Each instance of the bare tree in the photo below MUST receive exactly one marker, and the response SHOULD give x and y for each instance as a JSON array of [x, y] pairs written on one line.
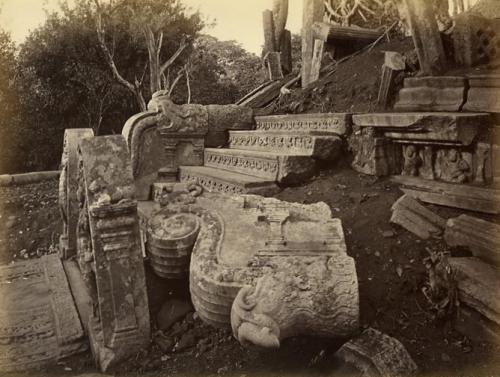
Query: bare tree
[[159, 72]]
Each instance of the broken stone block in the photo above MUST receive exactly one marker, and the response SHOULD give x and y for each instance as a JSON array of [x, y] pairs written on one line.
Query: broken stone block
[[222, 119], [40, 323], [444, 93], [472, 198], [394, 63], [481, 237], [414, 217], [483, 94], [252, 252], [478, 284], [375, 354]]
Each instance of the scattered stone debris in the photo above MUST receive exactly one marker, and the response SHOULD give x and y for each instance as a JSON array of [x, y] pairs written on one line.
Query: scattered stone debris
[[478, 284], [414, 217], [375, 354], [481, 237]]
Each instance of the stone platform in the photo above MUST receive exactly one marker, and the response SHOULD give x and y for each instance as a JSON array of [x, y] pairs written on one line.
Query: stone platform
[[282, 150], [40, 323]]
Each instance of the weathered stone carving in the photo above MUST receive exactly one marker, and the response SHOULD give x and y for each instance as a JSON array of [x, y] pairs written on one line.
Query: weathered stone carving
[[38, 321], [68, 185], [169, 135], [109, 251], [451, 147], [376, 354], [335, 123]]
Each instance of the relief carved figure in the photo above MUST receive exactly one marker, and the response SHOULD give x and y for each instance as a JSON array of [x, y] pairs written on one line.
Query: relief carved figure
[[412, 160]]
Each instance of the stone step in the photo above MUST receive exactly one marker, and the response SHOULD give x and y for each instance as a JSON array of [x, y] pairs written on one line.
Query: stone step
[[265, 165], [432, 94], [336, 123], [217, 180], [298, 143]]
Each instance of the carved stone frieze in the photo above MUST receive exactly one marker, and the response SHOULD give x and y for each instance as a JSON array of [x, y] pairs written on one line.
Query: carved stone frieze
[[336, 123], [321, 147]]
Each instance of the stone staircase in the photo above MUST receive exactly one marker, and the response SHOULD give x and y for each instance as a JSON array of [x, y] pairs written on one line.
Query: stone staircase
[[281, 150]]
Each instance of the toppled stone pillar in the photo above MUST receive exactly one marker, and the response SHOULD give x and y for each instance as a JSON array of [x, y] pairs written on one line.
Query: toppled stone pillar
[[312, 12], [426, 37], [481, 237], [414, 217], [394, 63]]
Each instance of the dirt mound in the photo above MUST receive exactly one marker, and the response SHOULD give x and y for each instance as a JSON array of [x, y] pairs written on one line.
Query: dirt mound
[[351, 86]]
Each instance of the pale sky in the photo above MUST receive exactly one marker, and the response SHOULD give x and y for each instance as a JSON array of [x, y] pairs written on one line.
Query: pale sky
[[240, 20]]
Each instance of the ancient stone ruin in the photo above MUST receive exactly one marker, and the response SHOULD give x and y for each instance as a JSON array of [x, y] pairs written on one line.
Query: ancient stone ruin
[[185, 194]]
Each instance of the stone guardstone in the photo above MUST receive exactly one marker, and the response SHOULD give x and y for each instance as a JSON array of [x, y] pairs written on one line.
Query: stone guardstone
[[109, 251], [39, 320], [483, 94], [431, 94]]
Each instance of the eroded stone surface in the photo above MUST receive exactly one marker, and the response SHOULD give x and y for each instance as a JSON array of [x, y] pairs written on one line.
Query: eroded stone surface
[[431, 93], [109, 251], [376, 354], [39, 321], [483, 94], [478, 284], [481, 237], [68, 186]]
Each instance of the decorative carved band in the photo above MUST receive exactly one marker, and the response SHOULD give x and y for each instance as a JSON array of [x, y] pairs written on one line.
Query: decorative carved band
[[260, 166], [303, 142]]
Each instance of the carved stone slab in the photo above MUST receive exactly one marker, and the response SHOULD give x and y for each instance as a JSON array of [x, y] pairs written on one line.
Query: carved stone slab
[[336, 123], [478, 284], [39, 321], [217, 180], [483, 94], [451, 128], [109, 251], [272, 166], [431, 94], [321, 147], [472, 198], [479, 236], [411, 215], [375, 354], [68, 186]]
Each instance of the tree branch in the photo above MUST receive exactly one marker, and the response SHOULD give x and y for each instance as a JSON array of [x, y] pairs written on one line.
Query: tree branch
[[172, 59]]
